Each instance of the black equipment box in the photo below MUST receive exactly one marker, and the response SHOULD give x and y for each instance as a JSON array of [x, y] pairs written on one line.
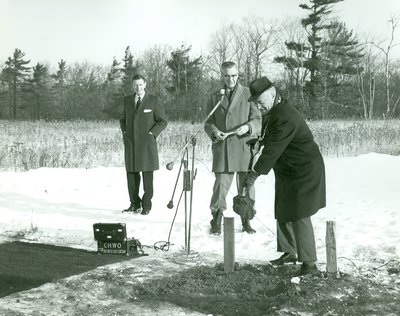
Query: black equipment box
[[112, 239]]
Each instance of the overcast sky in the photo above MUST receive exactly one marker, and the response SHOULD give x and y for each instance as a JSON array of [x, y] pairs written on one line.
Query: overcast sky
[[98, 30]]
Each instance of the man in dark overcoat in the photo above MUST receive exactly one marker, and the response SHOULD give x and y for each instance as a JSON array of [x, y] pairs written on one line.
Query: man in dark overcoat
[[231, 153], [289, 149], [143, 119]]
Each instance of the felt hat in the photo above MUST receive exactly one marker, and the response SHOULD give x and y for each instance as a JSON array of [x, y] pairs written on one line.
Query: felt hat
[[258, 86]]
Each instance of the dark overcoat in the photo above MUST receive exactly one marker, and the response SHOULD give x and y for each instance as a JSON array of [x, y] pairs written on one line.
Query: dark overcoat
[[140, 128], [232, 154], [290, 150]]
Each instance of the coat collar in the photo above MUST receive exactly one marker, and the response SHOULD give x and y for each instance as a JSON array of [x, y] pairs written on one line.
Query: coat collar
[[235, 98]]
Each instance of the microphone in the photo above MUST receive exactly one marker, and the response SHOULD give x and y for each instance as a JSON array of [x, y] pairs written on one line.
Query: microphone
[[170, 165], [170, 204]]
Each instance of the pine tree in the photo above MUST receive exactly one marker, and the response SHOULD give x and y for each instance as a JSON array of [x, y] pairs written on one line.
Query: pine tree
[[60, 83], [321, 64], [39, 90], [184, 87], [128, 70], [114, 90], [15, 73], [184, 70]]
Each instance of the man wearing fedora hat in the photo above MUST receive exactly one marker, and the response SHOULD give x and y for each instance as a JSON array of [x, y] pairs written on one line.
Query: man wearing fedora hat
[[289, 149], [232, 124]]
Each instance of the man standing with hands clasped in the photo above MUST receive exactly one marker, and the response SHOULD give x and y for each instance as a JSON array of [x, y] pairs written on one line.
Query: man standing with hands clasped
[[232, 124], [143, 119], [290, 150]]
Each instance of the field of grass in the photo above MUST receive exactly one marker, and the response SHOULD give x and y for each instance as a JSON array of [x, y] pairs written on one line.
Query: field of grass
[[86, 144]]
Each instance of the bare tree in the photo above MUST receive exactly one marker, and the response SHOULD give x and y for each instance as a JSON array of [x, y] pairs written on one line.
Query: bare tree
[[394, 23], [366, 82], [295, 73], [247, 43], [154, 65], [220, 47], [260, 33]]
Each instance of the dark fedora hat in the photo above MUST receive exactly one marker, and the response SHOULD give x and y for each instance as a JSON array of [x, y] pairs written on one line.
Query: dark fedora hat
[[258, 86]]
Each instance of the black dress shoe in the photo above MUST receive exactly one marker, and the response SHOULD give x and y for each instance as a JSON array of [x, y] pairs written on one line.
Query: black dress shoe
[[308, 268], [145, 211], [137, 210], [133, 209], [285, 258]]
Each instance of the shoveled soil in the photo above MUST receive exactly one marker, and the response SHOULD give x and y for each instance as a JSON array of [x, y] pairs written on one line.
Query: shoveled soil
[[172, 283]]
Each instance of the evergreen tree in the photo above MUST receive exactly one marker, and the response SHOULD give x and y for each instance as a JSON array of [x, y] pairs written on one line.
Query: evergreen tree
[[322, 66], [185, 84], [184, 70], [341, 57], [128, 70], [60, 85], [15, 73], [113, 90], [115, 73], [38, 91]]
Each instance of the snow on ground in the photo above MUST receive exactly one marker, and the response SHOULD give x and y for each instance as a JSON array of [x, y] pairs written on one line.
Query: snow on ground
[[60, 206]]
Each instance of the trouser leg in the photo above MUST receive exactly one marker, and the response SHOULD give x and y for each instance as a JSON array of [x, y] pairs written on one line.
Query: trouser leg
[[221, 187], [148, 189], [133, 179], [286, 241], [297, 237], [305, 240]]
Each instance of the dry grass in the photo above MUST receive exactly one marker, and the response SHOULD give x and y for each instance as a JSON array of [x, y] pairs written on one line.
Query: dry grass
[[352, 138], [86, 144]]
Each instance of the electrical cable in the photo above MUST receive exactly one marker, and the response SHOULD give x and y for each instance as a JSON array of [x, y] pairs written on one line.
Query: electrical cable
[[371, 269], [164, 245]]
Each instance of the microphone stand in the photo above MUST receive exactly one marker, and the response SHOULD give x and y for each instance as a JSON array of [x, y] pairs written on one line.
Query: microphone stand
[[189, 176], [192, 176]]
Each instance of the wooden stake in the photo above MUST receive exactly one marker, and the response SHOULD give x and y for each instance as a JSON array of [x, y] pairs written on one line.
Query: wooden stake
[[229, 244], [331, 256]]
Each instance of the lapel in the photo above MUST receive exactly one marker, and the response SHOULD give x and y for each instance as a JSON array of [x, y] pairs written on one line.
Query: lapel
[[141, 106], [225, 102], [236, 98]]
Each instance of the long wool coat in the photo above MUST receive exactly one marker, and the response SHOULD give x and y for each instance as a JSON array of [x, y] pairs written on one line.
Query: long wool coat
[[233, 153], [290, 150], [141, 153]]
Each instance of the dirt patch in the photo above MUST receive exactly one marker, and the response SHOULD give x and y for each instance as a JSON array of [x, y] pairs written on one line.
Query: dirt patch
[[172, 284]]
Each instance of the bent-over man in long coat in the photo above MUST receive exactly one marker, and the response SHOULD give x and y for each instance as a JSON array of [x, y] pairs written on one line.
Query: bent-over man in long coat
[[230, 152], [143, 119], [290, 150]]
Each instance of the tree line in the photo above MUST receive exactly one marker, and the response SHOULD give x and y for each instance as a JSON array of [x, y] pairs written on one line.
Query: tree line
[[320, 65]]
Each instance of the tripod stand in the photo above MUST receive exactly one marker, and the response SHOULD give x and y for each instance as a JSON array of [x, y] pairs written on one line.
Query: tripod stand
[[188, 178], [189, 175]]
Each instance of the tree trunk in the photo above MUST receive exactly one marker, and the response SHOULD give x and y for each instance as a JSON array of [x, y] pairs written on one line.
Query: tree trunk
[[14, 99], [371, 97]]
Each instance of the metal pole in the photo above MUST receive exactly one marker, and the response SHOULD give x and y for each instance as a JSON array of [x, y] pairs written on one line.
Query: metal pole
[[192, 176]]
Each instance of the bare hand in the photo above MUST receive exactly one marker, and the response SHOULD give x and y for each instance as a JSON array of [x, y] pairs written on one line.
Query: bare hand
[[220, 136]]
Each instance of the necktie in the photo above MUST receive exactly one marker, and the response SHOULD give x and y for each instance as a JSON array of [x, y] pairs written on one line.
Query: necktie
[[229, 94], [138, 102]]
